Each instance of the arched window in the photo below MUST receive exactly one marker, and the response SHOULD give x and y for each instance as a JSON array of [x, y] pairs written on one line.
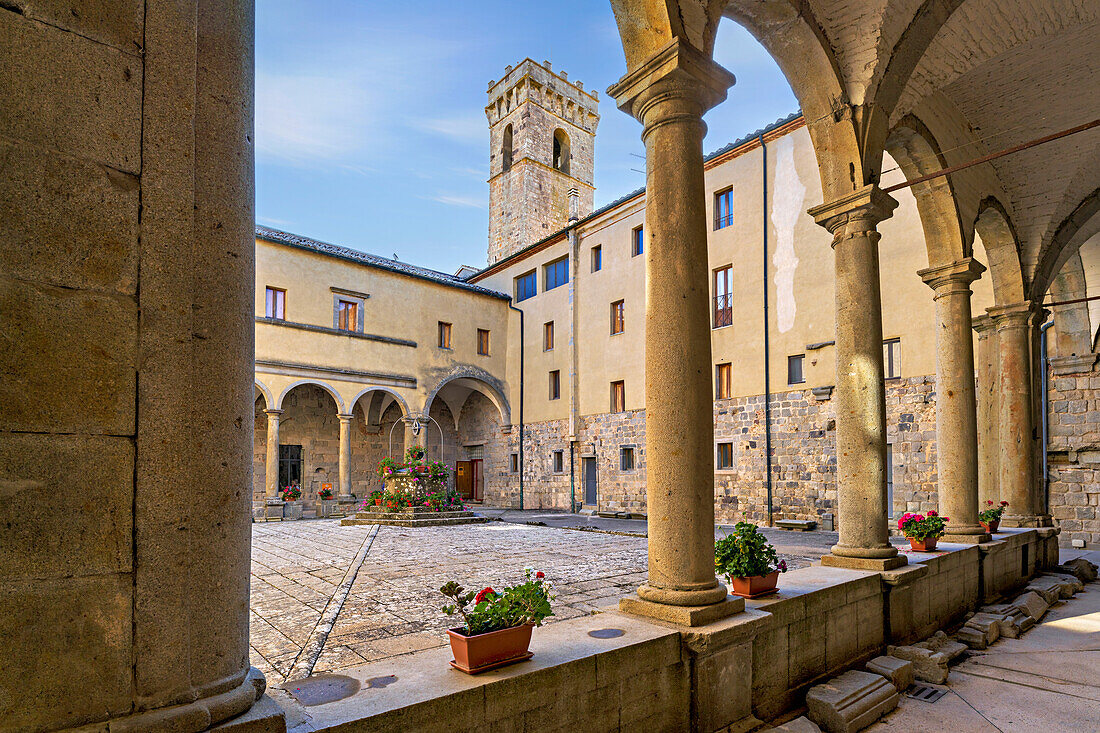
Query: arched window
[[561, 151], [506, 147]]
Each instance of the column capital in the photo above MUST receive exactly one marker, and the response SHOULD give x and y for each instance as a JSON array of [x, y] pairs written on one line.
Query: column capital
[[676, 73], [982, 325], [856, 214], [1014, 315], [273, 413], [952, 275], [345, 418]]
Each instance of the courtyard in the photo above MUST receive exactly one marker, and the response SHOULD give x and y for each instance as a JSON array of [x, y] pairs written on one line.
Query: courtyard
[[393, 606]]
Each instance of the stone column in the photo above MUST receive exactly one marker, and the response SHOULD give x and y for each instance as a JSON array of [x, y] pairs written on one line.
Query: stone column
[[860, 390], [956, 406], [669, 94], [271, 459], [1015, 423], [987, 400], [344, 490]]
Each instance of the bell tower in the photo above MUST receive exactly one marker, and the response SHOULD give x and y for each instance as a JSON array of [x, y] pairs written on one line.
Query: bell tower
[[542, 134]]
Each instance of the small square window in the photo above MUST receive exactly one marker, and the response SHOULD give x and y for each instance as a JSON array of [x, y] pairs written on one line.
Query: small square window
[[597, 258], [559, 461], [725, 456], [891, 358], [482, 342], [513, 463], [548, 336], [794, 369], [444, 335], [617, 317], [626, 458], [637, 241], [526, 286], [275, 306], [557, 273], [618, 397], [555, 384], [723, 375]]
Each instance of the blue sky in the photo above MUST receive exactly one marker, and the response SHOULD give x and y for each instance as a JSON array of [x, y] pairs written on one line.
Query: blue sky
[[370, 122]]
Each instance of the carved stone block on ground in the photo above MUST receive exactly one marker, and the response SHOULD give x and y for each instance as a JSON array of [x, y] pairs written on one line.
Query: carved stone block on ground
[[1080, 567], [1032, 604], [1049, 589], [798, 725], [986, 625], [943, 644], [1013, 620], [928, 666], [898, 671], [1070, 584], [850, 702]]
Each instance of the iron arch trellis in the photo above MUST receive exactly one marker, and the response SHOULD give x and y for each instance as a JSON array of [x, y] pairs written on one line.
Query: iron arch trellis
[[417, 421]]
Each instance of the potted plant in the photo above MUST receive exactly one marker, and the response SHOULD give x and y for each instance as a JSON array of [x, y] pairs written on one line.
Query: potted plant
[[749, 562], [497, 626], [291, 493], [922, 530], [991, 517], [325, 494]]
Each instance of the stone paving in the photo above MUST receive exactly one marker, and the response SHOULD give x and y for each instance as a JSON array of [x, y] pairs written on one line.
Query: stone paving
[[393, 606]]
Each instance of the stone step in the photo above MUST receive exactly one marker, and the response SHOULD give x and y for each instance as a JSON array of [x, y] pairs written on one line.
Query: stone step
[[413, 515], [434, 522], [802, 525]]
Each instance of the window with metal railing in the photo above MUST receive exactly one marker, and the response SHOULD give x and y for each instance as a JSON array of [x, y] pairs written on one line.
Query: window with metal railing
[[723, 208], [723, 296]]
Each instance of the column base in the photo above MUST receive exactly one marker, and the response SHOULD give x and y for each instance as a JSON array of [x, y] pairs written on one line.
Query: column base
[[682, 615], [864, 563], [1027, 521], [967, 539]]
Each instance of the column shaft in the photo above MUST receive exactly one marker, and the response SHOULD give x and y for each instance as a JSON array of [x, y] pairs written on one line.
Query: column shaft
[[344, 488], [987, 401], [860, 390], [956, 405], [271, 462]]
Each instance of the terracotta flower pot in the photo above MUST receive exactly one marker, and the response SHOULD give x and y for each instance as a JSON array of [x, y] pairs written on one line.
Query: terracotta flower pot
[[754, 586], [926, 545], [991, 527], [482, 652]]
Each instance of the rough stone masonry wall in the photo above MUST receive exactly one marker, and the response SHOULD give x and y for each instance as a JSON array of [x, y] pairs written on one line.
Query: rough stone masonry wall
[[803, 446], [1074, 456]]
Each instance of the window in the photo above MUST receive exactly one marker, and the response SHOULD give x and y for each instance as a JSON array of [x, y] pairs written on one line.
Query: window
[[723, 208], [626, 458], [891, 358], [557, 273], [276, 304], [290, 466], [597, 258], [637, 246], [794, 369], [548, 336], [506, 148], [513, 463], [348, 315], [444, 335], [482, 342], [526, 286], [555, 384], [617, 317], [618, 397], [561, 151], [558, 461], [725, 456], [723, 296], [723, 375]]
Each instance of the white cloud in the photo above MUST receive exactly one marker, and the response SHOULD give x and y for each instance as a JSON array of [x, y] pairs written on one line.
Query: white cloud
[[473, 202], [461, 126]]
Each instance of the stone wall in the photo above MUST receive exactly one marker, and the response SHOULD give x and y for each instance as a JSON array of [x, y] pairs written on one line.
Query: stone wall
[[803, 448], [1074, 456]]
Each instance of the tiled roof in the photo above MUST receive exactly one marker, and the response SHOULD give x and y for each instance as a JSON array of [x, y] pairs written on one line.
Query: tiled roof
[[382, 263]]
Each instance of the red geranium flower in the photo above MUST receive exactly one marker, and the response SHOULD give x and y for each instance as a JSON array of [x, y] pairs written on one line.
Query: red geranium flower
[[1003, 503], [540, 574], [932, 513], [482, 593]]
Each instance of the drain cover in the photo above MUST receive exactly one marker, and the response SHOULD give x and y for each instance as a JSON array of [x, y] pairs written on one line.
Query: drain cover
[[606, 633], [925, 693], [323, 688]]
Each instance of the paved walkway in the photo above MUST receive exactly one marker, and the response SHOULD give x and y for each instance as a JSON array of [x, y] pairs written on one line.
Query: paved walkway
[[393, 606], [1048, 680]]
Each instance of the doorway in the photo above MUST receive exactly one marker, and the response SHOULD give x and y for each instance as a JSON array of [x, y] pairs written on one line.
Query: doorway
[[589, 481], [464, 479]]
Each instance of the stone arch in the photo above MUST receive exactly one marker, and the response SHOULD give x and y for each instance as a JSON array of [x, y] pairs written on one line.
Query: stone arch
[[1002, 250], [330, 390], [477, 380], [1072, 326], [506, 148], [377, 405], [561, 153], [1082, 223], [265, 391], [917, 153]]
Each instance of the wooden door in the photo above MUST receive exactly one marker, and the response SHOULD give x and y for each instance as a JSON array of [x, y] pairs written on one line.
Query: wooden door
[[464, 479], [478, 480], [589, 481]]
